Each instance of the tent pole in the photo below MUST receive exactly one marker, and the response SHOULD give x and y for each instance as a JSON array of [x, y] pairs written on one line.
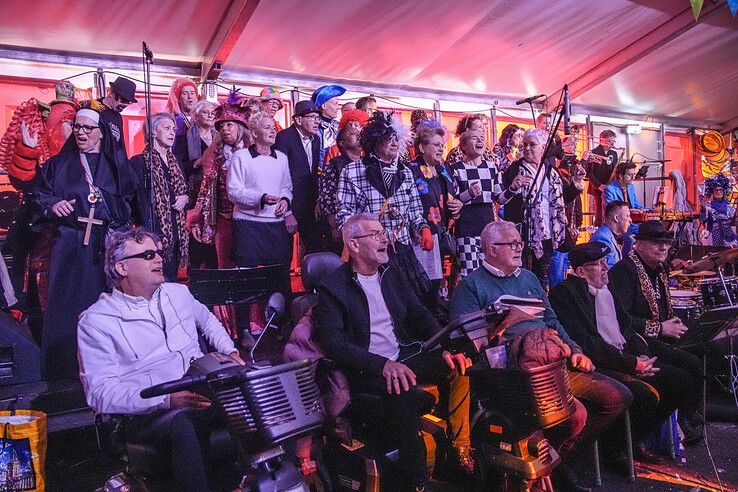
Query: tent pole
[[437, 109], [493, 115], [693, 132]]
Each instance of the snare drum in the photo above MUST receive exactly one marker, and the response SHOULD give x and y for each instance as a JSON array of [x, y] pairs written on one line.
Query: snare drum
[[687, 305], [714, 294]]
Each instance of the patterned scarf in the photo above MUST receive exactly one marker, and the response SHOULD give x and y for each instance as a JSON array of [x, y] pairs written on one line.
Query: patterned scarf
[[163, 207], [652, 295], [556, 210]]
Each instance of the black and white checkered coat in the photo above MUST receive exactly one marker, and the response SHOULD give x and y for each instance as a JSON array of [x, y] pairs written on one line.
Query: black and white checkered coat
[[486, 173], [362, 189]]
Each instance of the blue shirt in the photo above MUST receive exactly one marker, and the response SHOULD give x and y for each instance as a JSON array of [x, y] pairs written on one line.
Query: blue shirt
[[606, 236]]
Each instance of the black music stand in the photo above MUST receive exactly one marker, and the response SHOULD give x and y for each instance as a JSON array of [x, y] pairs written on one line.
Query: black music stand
[[234, 285], [711, 324]]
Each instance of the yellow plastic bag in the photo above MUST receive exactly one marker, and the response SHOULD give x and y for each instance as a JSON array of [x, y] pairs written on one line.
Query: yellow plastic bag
[[22, 450]]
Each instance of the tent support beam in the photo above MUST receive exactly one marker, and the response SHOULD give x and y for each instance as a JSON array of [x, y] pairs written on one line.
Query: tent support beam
[[283, 79], [106, 62], [231, 26], [650, 42]]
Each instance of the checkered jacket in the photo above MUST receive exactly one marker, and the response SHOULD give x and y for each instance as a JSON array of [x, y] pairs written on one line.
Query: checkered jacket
[[362, 189]]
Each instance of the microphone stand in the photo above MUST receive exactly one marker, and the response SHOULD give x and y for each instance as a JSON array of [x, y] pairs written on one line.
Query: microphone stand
[[148, 59], [533, 192]]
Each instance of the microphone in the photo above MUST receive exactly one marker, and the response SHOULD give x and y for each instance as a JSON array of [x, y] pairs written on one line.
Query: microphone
[[529, 99], [147, 52], [567, 111]]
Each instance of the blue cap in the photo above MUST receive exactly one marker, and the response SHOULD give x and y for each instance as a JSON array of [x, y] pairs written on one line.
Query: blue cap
[[323, 94]]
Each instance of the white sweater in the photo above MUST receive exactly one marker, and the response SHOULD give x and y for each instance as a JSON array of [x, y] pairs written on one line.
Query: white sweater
[[252, 175], [124, 347]]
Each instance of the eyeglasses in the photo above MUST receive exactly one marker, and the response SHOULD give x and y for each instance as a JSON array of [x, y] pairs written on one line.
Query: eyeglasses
[[530, 144], [86, 129], [376, 235], [147, 255], [310, 116], [513, 244], [207, 113]]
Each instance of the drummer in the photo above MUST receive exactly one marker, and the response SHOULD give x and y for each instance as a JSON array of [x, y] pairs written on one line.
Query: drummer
[[640, 282]]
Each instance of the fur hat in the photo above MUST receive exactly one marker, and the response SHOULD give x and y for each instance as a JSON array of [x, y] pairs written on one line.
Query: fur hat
[[176, 91], [355, 115], [381, 126]]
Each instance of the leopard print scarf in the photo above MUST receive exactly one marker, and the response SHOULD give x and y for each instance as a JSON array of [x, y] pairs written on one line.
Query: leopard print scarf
[[653, 326], [163, 207]]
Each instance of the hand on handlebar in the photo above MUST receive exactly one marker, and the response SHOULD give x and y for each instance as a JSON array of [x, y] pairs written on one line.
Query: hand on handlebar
[[458, 362], [188, 399]]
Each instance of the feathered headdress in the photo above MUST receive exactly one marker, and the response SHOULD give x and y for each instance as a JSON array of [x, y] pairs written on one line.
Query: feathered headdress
[[719, 181], [432, 124], [381, 126]]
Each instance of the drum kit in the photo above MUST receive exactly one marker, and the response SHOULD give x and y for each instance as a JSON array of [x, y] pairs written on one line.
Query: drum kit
[[703, 286]]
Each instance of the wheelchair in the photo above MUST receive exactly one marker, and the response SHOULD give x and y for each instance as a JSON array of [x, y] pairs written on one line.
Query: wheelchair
[[513, 407]]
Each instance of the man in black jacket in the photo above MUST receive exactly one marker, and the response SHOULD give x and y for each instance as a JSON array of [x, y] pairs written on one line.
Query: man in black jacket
[[640, 281], [368, 320], [301, 144], [600, 171], [597, 321]]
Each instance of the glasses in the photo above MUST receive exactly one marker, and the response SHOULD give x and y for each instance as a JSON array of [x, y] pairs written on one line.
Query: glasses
[[310, 116], [513, 244], [530, 144], [376, 235], [86, 129], [207, 113], [147, 255]]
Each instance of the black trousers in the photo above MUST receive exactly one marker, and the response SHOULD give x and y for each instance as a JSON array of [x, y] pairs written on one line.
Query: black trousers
[[403, 421], [541, 266], [654, 399], [689, 378], [183, 434]]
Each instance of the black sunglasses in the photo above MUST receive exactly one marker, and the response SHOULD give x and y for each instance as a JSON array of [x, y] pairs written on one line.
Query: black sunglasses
[[147, 255]]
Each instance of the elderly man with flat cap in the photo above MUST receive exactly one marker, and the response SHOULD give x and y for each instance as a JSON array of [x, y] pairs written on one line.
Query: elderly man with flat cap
[[597, 321], [640, 282], [301, 144]]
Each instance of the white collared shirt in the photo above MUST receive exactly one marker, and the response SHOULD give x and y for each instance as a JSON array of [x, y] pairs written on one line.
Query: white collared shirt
[[499, 273], [307, 144]]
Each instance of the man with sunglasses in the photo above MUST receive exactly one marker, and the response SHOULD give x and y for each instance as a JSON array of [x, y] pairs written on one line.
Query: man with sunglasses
[[501, 274], [145, 332], [369, 321], [120, 95]]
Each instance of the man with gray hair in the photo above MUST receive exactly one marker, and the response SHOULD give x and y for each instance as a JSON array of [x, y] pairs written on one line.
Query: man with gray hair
[[501, 274], [143, 333], [544, 227], [368, 320]]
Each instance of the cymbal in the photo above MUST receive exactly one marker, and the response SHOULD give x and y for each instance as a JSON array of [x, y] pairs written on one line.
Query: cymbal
[[713, 261], [704, 273]]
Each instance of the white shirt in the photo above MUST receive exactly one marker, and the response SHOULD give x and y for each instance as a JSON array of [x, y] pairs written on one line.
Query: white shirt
[[250, 176], [126, 344], [382, 339], [607, 319], [497, 272], [8, 291], [307, 144]]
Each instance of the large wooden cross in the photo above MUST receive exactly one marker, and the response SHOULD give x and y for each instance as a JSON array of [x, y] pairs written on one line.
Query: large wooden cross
[[90, 220]]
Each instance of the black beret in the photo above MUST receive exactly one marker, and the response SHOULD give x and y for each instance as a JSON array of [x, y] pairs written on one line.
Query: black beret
[[587, 253]]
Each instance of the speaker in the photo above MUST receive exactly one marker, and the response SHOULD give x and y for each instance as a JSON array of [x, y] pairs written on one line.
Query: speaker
[[20, 357]]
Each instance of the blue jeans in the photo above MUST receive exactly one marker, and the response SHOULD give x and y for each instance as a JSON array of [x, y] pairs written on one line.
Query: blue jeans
[[559, 266]]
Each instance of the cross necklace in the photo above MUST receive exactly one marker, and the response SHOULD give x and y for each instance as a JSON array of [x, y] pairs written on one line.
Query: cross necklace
[[93, 198]]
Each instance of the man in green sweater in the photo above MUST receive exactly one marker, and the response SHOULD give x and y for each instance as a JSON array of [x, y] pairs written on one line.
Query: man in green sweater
[[500, 274]]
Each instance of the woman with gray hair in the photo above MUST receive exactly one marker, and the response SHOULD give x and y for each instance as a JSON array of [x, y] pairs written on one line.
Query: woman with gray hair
[[188, 149], [544, 230], [162, 198]]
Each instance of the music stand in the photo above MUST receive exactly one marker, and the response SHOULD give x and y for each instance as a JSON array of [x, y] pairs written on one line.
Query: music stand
[[711, 324], [234, 285]]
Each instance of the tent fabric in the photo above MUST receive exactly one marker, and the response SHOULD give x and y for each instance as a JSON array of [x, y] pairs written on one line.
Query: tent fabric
[[495, 47]]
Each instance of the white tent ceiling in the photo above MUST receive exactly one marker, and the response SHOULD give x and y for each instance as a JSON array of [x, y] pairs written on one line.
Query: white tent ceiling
[[645, 57]]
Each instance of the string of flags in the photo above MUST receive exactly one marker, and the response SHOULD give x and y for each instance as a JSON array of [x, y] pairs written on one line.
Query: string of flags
[[697, 7]]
